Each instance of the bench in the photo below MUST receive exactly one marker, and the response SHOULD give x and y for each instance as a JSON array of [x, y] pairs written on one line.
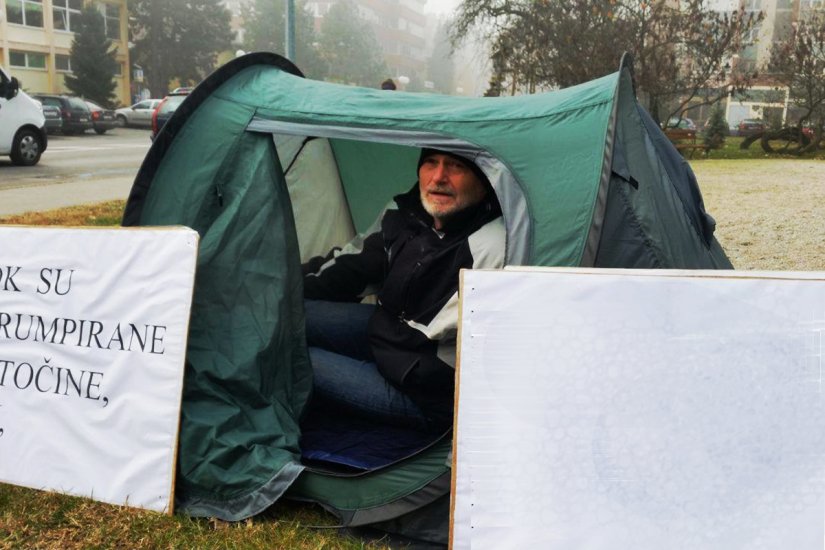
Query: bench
[[684, 140]]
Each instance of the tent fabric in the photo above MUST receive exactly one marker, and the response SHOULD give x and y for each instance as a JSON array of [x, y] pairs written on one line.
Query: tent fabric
[[315, 191], [239, 423], [371, 496], [270, 167]]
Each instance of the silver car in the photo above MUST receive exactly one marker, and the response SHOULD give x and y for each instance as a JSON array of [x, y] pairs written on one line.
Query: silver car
[[139, 114]]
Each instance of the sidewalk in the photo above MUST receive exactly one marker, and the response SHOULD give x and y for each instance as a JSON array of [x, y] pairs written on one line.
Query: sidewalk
[[58, 195]]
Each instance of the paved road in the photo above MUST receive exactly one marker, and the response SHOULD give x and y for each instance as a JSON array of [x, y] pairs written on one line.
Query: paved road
[[74, 170]]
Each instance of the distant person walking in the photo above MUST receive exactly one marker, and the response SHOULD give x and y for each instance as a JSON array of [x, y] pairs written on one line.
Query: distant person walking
[[388, 84]]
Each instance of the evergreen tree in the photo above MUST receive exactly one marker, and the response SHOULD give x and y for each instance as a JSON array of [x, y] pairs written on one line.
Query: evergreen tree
[[264, 30], [496, 85], [178, 39], [92, 60], [350, 48], [717, 129]]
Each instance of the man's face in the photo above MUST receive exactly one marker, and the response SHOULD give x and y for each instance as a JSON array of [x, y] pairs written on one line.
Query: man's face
[[447, 186]]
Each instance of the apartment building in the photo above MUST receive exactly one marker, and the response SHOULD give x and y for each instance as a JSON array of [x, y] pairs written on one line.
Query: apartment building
[[36, 38], [779, 17], [400, 27]]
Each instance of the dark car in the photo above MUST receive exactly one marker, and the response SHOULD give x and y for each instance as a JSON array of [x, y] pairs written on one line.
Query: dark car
[[166, 108], [77, 118], [54, 121], [102, 119], [750, 126]]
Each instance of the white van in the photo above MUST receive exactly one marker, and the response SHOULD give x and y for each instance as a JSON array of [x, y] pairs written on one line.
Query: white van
[[22, 125]]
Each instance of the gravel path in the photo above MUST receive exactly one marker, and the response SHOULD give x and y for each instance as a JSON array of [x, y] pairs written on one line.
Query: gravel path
[[770, 214]]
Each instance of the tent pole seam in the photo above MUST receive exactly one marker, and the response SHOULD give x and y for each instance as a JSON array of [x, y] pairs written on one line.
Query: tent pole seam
[[588, 256]]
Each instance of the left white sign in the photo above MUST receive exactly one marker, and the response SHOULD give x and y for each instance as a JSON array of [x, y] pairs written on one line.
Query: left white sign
[[93, 327]]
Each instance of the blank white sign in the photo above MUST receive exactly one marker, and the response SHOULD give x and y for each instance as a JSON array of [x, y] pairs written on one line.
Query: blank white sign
[[93, 327], [640, 410]]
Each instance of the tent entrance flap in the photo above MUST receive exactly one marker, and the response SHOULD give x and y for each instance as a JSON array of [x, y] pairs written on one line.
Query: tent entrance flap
[[509, 191], [322, 215]]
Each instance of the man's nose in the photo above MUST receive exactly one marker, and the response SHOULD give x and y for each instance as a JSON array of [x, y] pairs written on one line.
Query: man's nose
[[440, 172]]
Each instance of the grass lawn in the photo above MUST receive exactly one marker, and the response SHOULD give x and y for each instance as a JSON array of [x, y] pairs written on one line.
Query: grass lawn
[[731, 151], [770, 215]]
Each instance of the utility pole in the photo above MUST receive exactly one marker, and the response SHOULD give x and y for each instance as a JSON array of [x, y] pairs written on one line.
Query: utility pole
[[290, 30]]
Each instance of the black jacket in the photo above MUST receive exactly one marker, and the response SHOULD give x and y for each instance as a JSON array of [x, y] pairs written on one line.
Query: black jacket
[[414, 270]]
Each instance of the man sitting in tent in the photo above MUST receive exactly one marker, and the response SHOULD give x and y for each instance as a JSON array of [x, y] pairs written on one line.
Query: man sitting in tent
[[394, 361]]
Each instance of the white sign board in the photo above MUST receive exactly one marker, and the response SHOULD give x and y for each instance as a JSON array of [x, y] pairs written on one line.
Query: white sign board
[[640, 409], [93, 326]]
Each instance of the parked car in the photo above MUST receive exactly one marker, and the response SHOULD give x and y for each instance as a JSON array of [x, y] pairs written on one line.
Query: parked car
[[139, 114], [22, 124], [166, 108], [750, 126], [54, 121], [808, 132], [102, 119], [680, 123], [77, 118]]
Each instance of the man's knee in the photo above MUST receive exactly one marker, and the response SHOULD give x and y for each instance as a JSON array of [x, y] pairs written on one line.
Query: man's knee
[[340, 327]]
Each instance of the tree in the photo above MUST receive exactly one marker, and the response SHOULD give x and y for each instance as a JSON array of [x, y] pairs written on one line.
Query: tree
[[92, 60], [350, 48], [441, 70], [496, 85], [177, 39], [799, 63], [265, 23], [717, 128], [680, 49]]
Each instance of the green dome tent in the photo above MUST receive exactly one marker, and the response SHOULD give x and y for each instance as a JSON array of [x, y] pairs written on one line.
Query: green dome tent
[[271, 168]]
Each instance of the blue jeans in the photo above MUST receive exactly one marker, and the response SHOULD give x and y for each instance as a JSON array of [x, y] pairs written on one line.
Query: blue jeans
[[344, 370]]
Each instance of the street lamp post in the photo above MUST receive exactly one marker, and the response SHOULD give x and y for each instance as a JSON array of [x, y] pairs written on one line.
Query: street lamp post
[[290, 30]]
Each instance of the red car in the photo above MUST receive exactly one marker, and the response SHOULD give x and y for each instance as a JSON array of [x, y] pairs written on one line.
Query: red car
[[166, 108]]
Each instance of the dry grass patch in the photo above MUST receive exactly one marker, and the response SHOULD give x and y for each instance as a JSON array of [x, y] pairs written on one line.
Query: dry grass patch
[[770, 213], [104, 213], [33, 519]]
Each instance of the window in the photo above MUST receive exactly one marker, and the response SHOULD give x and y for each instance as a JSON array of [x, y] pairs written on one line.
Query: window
[[752, 37], [27, 60], [111, 20], [25, 12], [66, 13], [119, 70], [53, 101], [63, 63], [78, 103]]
